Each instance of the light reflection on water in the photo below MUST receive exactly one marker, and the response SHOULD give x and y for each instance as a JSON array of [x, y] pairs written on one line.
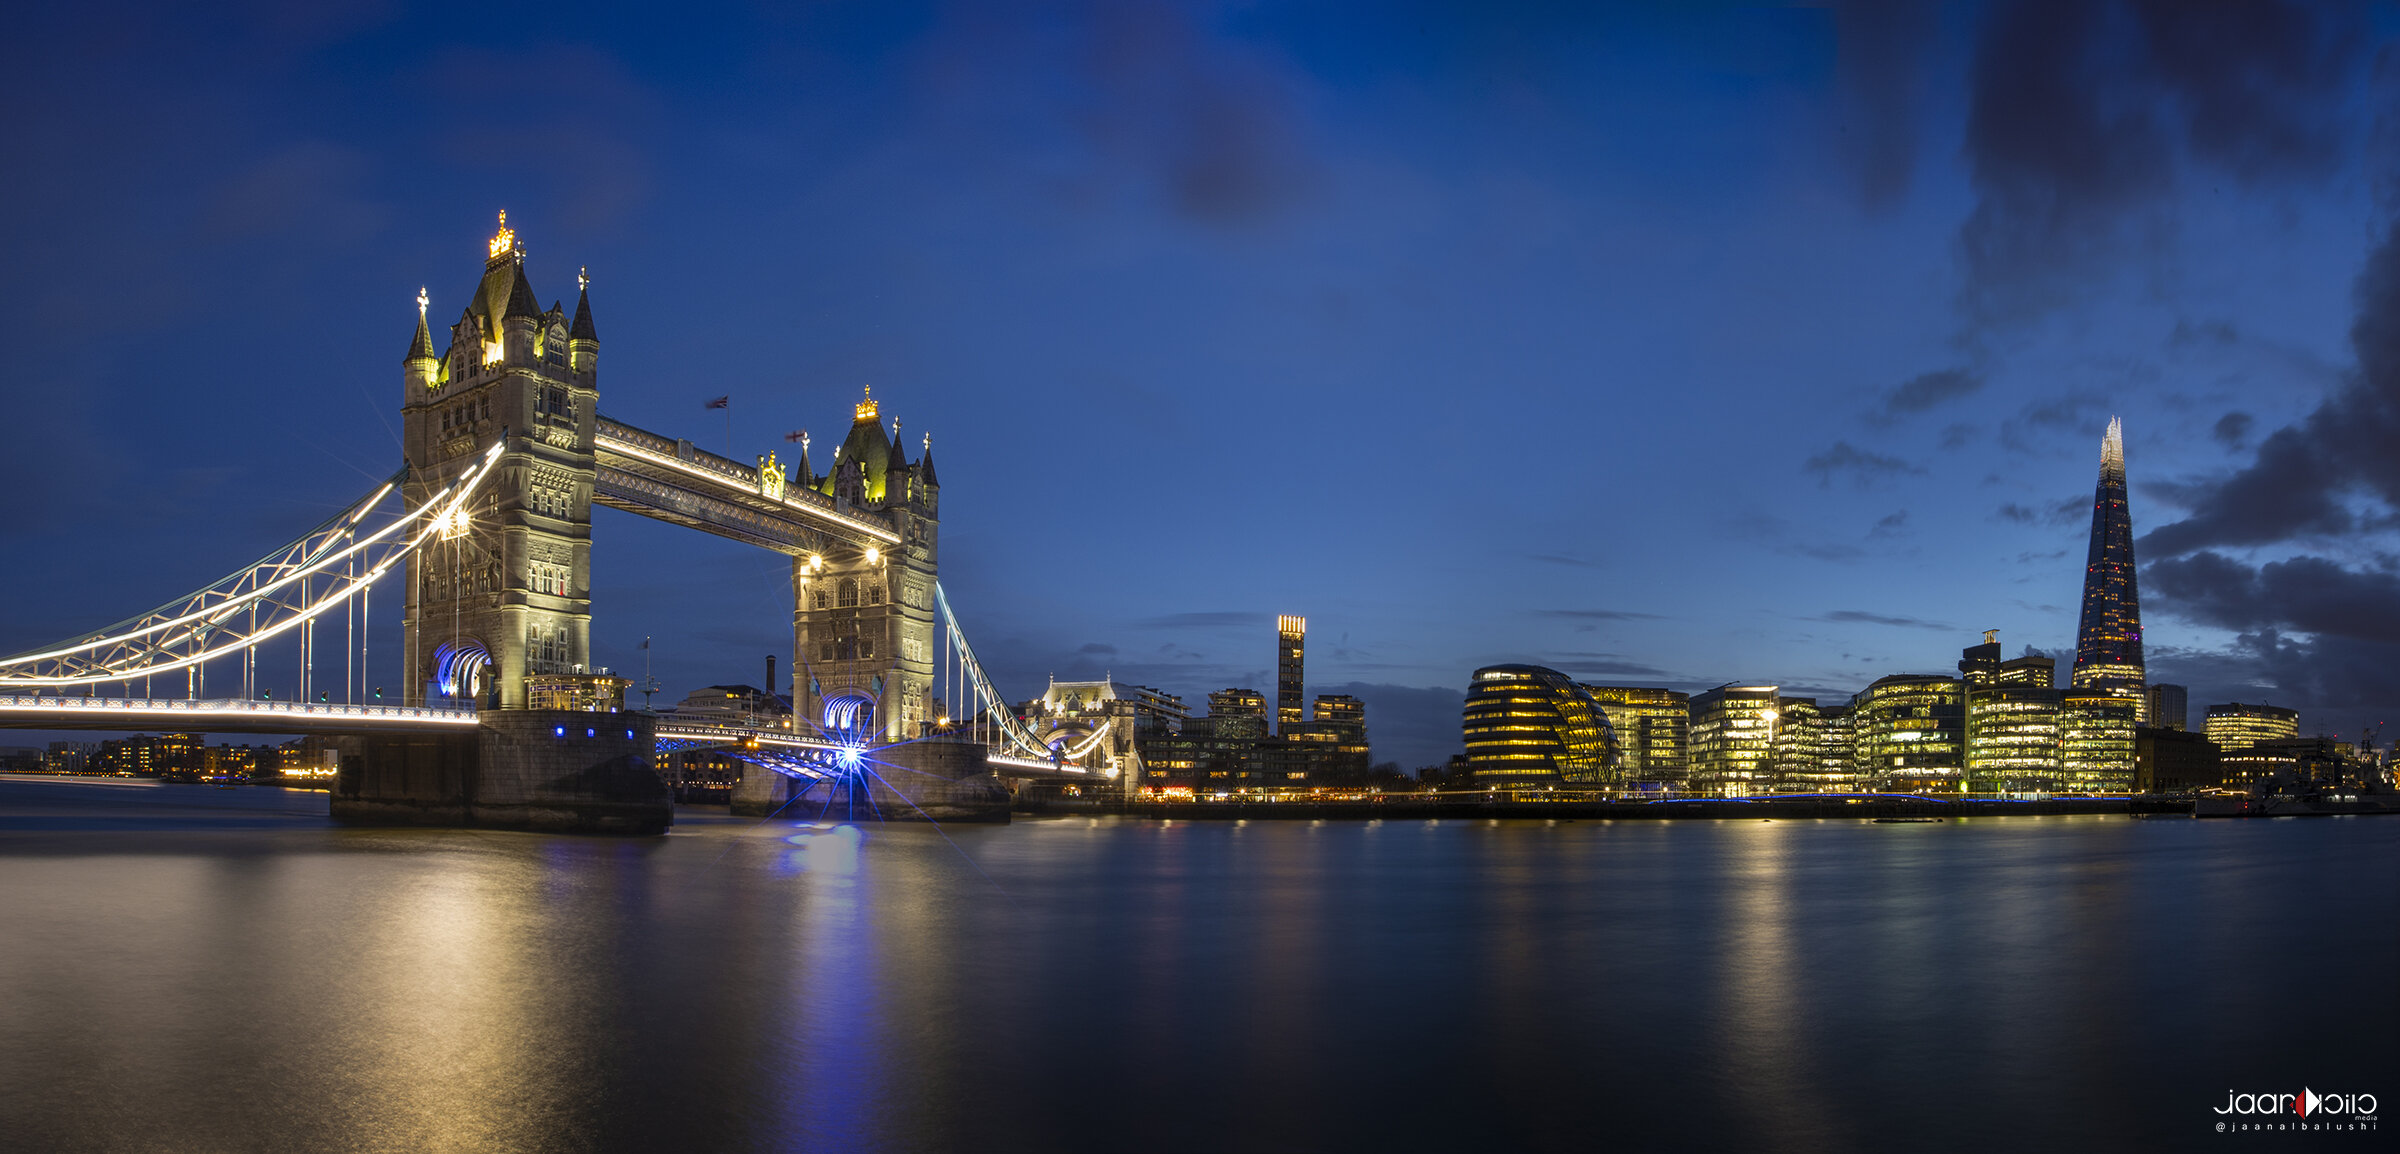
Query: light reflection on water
[[175, 979]]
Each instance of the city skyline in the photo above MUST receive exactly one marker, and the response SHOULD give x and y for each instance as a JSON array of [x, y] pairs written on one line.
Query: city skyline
[[1660, 348]]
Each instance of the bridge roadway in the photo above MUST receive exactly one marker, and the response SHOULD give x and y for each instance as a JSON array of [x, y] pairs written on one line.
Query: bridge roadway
[[696, 735], [177, 715]]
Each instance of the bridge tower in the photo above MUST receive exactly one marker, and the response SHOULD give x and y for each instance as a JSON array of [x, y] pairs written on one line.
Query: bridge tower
[[863, 621], [507, 593]]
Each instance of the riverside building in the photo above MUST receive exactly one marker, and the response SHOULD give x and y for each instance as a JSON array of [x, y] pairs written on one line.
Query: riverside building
[[2169, 707], [2234, 725], [1796, 745], [1653, 728], [2096, 740], [1530, 727], [2012, 716], [1733, 740], [1837, 749], [1911, 732]]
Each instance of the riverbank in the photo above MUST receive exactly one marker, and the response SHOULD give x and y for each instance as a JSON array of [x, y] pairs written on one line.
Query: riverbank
[[1866, 807]]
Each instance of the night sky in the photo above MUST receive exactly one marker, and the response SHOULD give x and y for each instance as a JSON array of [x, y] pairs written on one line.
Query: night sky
[[1673, 344]]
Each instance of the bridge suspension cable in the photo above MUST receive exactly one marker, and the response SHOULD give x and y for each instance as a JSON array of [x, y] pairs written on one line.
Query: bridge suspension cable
[[315, 573], [1019, 740]]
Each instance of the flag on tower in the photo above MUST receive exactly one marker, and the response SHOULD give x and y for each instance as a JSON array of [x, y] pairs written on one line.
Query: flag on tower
[[722, 402]]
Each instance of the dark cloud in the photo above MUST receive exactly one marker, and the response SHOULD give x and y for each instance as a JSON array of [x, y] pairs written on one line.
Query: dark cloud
[[1861, 466], [2339, 684], [1861, 617], [2301, 481], [1596, 614], [2030, 558], [1927, 390], [1214, 128], [1893, 525], [2082, 112], [1956, 437], [2233, 430], [1095, 647], [1878, 58], [2308, 594]]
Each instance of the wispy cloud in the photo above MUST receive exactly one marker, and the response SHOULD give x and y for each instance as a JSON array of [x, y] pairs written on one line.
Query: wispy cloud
[[1862, 617], [1861, 466], [1596, 614], [1222, 620], [1925, 391]]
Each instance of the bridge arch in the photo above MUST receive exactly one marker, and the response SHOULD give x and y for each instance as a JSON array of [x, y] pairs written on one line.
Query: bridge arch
[[461, 669], [850, 715]]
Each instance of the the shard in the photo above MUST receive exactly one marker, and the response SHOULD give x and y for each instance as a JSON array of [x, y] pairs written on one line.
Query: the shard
[[2108, 644]]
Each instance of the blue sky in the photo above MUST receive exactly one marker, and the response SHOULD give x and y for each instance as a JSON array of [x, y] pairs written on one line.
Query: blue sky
[[1663, 344]]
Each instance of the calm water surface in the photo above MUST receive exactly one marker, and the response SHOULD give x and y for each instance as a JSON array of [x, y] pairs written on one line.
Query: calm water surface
[[193, 969]]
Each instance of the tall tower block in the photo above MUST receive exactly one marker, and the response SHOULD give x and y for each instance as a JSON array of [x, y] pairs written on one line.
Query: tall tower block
[[1291, 650], [505, 593], [2108, 643]]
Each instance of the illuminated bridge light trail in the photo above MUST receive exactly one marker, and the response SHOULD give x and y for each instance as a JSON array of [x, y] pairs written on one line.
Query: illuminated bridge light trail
[[330, 568]]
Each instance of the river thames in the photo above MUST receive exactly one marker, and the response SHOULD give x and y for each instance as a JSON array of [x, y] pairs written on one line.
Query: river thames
[[194, 969]]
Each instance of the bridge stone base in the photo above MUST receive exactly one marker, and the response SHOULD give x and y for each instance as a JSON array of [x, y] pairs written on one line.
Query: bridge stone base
[[942, 780], [538, 769]]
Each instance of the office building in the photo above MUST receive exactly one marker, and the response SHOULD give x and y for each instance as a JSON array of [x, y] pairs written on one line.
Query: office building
[[2170, 707], [1796, 746], [1911, 732], [2174, 760], [1837, 748], [2096, 740], [1528, 727], [2235, 726], [2108, 640], [2012, 719], [1653, 728], [1733, 740]]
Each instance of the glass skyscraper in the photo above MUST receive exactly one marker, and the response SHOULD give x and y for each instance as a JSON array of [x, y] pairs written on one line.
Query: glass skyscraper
[[2108, 643]]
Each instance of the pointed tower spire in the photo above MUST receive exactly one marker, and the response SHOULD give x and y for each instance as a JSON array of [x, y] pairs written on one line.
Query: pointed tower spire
[[520, 298], [808, 477], [420, 349], [2108, 641], [899, 457], [925, 463], [583, 330]]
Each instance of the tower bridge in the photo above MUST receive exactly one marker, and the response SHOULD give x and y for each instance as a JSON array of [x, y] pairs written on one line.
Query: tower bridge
[[503, 718]]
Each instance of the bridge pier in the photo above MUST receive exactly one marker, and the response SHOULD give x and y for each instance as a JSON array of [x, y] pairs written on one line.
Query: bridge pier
[[939, 779], [567, 771]]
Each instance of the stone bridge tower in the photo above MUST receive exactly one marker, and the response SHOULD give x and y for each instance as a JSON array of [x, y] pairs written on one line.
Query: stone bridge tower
[[863, 623], [506, 594]]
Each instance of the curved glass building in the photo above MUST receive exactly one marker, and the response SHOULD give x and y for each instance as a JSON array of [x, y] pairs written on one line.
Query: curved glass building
[[1531, 726]]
